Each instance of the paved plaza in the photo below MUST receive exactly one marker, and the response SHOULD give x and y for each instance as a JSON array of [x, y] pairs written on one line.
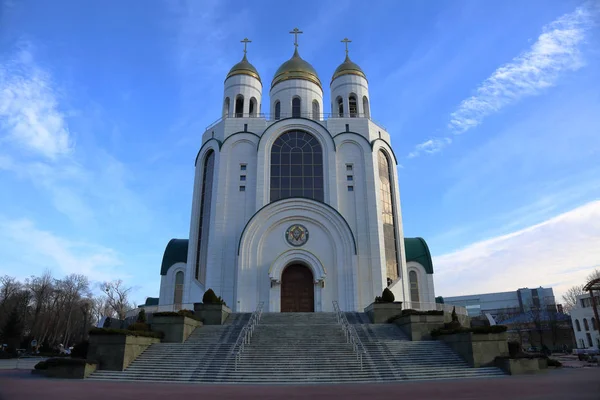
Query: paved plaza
[[564, 384]]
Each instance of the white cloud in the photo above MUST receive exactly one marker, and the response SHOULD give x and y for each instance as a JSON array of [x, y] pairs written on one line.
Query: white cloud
[[29, 112], [26, 249], [559, 252], [555, 52], [430, 146]]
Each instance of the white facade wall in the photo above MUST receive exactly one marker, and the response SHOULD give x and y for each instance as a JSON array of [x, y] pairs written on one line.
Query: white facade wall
[[285, 91], [242, 85], [345, 85]]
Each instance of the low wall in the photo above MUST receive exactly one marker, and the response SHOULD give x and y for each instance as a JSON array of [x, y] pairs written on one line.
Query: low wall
[[419, 327], [518, 366], [176, 328], [116, 352], [478, 350], [212, 314], [70, 371], [380, 313]]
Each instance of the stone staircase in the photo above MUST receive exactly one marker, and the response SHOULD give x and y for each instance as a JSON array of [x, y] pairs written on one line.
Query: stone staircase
[[297, 348]]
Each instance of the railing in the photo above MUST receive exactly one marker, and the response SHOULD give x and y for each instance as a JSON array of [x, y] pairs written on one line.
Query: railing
[[460, 310], [246, 334], [309, 115], [350, 333]]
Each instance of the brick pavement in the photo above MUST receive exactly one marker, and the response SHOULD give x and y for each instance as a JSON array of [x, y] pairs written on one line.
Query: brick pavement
[[565, 384]]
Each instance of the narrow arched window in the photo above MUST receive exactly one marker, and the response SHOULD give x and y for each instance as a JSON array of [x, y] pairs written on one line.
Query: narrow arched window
[[296, 167], [204, 220], [226, 108], [414, 287], [252, 110], [594, 326], [277, 110], [589, 338], [340, 106], [178, 298], [577, 325], [296, 107], [352, 105], [239, 106], [366, 111], [316, 110], [388, 216], [586, 325]]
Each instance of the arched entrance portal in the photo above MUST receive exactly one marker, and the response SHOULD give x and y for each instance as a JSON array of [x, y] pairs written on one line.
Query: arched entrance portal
[[297, 289]]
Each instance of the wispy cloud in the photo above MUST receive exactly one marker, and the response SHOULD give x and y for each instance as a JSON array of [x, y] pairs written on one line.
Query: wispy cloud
[[29, 112], [430, 146], [556, 51], [23, 244], [559, 252]]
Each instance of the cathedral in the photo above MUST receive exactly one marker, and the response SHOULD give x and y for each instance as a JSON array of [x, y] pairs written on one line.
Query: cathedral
[[293, 206]]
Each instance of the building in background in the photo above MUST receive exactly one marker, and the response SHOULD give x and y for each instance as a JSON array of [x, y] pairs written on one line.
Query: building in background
[[532, 316], [502, 303], [584, 322]]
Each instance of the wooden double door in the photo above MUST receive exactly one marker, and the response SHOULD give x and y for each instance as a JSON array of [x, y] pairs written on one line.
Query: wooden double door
[[297, 289]]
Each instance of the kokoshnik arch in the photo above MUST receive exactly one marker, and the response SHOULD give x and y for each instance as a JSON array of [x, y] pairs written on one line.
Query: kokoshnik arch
[[294, 207]]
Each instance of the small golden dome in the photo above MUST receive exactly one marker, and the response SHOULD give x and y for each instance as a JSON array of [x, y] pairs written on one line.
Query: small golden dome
[[296, 68], [348, 67], [243, 68]]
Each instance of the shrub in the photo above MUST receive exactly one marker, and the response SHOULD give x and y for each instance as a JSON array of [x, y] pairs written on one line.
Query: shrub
[[387, 296], [554, 363], [80, 350], [180, 313], [211, 298], [126, 332], [141, 316], [139, 327]]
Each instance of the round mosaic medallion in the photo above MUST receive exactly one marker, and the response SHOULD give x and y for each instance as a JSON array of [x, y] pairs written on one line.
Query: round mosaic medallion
[[296, 235]]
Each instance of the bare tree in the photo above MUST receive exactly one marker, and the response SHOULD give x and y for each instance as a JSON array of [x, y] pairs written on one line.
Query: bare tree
[[117, 297], [570, 297]]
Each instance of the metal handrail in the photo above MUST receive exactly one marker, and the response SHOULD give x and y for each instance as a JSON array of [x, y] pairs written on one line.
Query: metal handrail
[[309, 115], [246, 334], [350, 333]]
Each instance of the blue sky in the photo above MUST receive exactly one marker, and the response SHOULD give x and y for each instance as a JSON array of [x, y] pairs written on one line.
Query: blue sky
[[493, 109]]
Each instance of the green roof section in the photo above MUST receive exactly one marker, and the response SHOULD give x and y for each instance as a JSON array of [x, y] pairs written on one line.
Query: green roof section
[[416, 249], [151, 301], [176, 251]]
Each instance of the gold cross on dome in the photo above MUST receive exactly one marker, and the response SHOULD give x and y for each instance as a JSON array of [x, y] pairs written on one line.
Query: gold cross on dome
[[245, 41], [346, 41], [296, 32]]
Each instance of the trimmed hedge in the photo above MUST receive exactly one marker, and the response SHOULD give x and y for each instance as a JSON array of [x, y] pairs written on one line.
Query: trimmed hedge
[[139, 327], [410, 311], [109, 331], [477, 330], [57, 362], [210, 297], [554, 363], [180, 313]]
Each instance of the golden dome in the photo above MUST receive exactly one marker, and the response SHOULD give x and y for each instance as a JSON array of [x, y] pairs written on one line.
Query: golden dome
[[243, 68], [348, 67], [296, 68]]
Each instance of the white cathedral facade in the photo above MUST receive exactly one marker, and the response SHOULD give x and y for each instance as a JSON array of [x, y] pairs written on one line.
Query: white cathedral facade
[[293, 206]]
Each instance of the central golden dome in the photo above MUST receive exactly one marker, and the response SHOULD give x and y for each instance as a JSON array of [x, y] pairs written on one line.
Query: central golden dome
[[296, 68]]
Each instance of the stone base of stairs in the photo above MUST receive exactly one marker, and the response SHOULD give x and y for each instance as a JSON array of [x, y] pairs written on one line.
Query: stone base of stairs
[[297, 348]]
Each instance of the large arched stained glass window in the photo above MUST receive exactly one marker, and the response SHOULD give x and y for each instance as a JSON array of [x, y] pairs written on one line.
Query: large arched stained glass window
[[204, 222], [296, 167], [388, 217], [414, 288]]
